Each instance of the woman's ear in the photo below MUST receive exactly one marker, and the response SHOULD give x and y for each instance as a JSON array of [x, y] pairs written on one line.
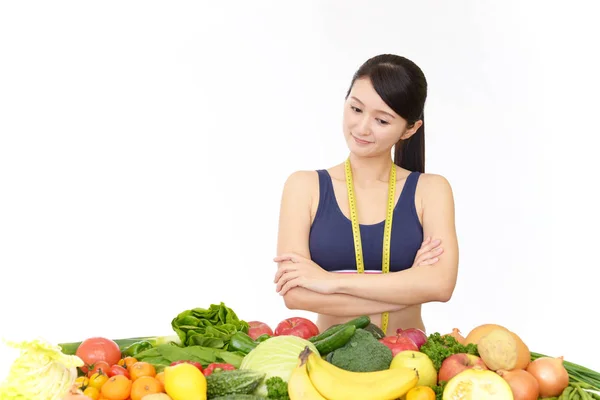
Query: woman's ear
[[412, 130]]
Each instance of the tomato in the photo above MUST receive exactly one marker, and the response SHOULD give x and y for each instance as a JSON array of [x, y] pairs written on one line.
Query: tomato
[[297, 326], [99, 366], [97, 380], [97, 349], [118, 370]]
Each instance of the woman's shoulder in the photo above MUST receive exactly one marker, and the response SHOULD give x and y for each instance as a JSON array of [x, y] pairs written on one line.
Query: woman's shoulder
[[433, 186]]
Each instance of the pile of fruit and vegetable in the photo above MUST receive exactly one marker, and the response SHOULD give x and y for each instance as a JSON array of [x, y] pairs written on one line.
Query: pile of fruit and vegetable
[[214, 355]]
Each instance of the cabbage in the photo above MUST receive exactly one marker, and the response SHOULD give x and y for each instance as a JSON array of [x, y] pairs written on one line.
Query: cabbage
[[41, 372], [276, 356]]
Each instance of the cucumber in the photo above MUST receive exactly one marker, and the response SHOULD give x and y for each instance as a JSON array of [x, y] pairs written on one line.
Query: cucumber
[[375, 331], [233, 382], [238, 397], [358, 323], [335, 341]]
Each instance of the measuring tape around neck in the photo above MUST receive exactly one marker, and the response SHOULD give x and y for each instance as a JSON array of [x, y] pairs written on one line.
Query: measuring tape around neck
[[387, 233]]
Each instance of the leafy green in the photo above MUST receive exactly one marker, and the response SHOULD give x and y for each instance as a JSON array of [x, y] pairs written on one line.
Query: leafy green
[[439, 347], [163, 355], [212, 327], [439, 390], [277, 389]]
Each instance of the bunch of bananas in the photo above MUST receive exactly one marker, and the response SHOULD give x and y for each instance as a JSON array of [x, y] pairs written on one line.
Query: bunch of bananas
[[316, 379]]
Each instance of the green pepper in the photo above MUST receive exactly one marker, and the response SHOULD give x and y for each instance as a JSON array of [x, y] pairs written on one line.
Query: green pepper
[[262, 338], [240, 341], [134, 349]]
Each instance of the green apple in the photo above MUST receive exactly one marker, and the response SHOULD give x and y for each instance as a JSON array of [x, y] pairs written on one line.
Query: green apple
[[419, 361]]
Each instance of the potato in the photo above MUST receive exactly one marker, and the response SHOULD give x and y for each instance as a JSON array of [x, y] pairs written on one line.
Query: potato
[[499, 350]]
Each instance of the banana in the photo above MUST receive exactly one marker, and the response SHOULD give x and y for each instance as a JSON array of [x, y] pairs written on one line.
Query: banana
[[300, 386], [335, 383]]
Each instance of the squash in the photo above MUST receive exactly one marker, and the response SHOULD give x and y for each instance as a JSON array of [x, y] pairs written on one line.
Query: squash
[[523, 353], [477, 384]]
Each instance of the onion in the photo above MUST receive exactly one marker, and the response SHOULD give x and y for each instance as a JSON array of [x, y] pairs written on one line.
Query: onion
[[415, 334], [551, 375], [523, 385], [456, 335]]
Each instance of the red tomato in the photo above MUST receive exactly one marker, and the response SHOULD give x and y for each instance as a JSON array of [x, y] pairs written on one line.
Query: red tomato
[[118, 370], [100, 365], [297, 326], [97, 349]]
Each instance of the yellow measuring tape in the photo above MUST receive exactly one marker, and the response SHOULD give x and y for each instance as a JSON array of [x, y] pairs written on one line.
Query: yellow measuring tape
[[387, 233]]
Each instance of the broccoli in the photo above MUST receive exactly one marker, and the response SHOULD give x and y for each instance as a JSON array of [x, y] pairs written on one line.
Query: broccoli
[[277, 389], [362, 353]]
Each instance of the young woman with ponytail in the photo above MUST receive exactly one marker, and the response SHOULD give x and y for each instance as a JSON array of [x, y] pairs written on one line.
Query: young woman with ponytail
[[319, 250]]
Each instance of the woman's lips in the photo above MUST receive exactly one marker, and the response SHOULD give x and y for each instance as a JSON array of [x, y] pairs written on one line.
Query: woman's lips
[[360, 141]]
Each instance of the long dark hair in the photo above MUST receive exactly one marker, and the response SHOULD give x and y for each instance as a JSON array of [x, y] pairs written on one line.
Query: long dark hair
[[402, 86]]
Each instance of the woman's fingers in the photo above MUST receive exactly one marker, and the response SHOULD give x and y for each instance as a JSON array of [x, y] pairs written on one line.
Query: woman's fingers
[[283, 268], [290, 284], [428, 255], [288, 276], [429, 261]]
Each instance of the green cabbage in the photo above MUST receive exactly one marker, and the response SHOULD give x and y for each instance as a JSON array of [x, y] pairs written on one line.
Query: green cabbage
[[276, 356], [41, 372]]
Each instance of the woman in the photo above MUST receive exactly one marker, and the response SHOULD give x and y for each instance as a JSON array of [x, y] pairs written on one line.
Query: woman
[[317, 256]]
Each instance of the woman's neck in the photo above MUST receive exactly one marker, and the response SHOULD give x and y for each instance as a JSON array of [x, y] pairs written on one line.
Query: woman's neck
[[367, 170]]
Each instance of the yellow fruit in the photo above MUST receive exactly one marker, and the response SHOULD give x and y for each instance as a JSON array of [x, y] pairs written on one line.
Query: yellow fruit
[[299, 385], [421, 362], [420, 393], [335, 383], [185, 382], [476, 384]]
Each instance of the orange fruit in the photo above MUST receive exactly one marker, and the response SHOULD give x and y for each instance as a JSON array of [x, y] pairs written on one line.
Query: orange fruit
[[117, 387], [143, 386], [127, 362], [160, 377], [420, 393], [140, 369]]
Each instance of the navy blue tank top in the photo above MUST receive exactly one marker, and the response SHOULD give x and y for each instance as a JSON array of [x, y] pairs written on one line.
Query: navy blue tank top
[[331, 243]]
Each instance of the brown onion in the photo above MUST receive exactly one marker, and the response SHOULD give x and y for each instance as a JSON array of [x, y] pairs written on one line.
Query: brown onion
[[456, 335], [523, 385], [551, 375]]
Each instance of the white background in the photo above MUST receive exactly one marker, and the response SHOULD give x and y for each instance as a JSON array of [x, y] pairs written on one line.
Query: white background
[[144, 145]]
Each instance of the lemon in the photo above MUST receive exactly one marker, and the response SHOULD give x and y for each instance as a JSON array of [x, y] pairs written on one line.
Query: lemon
[[185, 382]]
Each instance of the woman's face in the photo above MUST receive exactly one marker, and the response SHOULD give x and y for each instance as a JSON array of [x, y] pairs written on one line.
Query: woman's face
[[371, 128]]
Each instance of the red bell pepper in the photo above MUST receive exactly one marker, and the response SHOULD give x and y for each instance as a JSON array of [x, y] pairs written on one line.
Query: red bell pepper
[[216, 367], [194, 363]]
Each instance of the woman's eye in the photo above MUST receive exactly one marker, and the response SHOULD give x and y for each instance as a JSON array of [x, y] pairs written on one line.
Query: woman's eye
[[355, 109], [382, 122]]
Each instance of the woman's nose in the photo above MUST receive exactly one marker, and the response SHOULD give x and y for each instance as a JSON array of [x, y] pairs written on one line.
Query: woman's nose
[[363, 127]]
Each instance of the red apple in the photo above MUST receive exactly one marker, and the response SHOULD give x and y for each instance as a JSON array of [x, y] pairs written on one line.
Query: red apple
[[456, 363], [399, 343], [258, 328], [297, 326]]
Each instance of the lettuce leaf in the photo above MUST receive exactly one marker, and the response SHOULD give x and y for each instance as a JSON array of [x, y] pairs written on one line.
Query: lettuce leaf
[[212, 327]]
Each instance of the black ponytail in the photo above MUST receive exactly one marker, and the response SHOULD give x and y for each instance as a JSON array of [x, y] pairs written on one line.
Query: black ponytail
[[410, 153]]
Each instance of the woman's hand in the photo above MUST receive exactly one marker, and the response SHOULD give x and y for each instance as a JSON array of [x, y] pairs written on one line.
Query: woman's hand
[[294, 270], [429, 252]]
